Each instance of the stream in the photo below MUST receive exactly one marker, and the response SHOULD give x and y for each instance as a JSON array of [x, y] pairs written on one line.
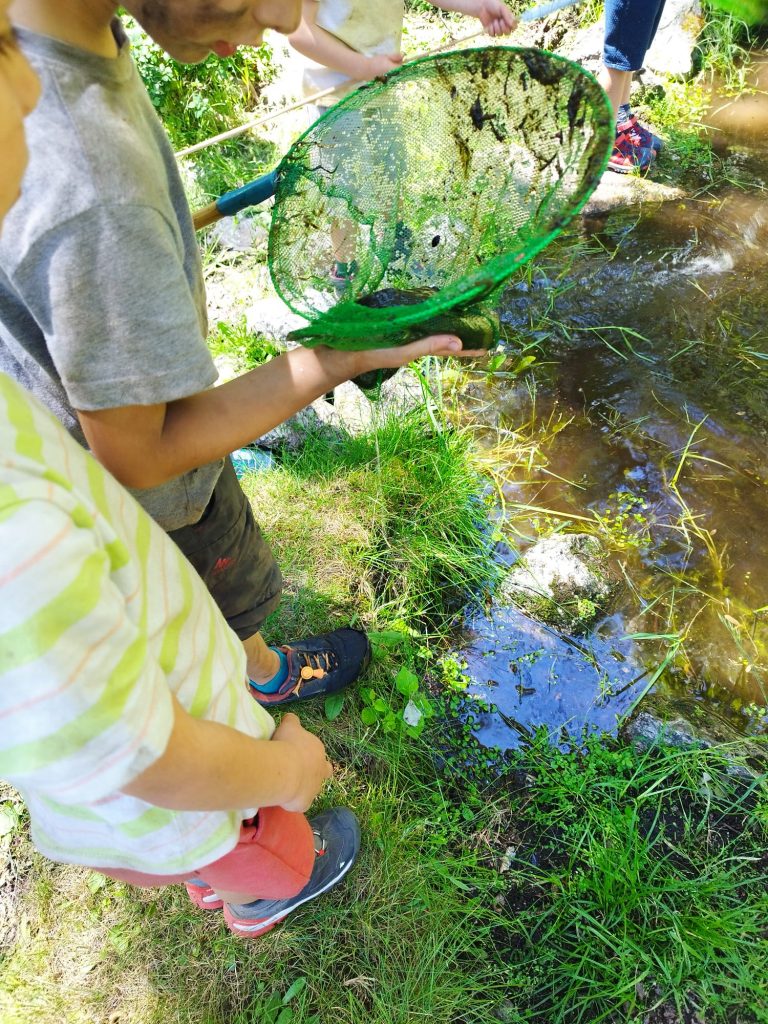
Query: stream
[[647, 399]]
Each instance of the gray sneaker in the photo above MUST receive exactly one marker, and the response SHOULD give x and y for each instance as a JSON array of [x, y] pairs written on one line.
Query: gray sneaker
[[337, 842]]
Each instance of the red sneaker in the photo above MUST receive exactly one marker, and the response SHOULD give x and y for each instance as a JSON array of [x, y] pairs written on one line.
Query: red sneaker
[[642, 137], [628, 155], [203, 896]]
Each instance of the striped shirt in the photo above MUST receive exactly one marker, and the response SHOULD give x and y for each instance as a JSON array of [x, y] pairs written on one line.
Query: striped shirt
[[101, 620]]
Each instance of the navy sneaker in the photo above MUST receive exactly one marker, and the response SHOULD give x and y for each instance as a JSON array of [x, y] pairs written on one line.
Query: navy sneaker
[[337, 842], [320, 665]]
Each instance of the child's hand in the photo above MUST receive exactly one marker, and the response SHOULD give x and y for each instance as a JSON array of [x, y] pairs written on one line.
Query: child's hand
[[314, 766], [349, 365], [495, 15], [400, 355], [381, 63]]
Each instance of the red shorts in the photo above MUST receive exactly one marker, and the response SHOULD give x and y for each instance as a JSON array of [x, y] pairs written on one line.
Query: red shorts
[[273, 859]]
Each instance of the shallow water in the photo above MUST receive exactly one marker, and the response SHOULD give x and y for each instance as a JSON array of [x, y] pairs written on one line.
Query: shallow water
[[652, 345]]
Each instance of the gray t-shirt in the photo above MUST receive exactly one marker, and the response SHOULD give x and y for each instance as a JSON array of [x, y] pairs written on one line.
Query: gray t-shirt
[[102, 302]]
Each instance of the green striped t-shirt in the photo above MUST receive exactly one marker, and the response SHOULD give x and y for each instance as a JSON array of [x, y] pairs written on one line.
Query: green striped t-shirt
[[101, 620]]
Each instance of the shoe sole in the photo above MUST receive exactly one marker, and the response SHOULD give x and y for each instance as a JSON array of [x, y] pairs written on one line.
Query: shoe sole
[[239, 927], [635, 168], [211, 901]]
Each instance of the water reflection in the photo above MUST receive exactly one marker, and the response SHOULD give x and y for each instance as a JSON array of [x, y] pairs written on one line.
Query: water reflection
[[653, 356]]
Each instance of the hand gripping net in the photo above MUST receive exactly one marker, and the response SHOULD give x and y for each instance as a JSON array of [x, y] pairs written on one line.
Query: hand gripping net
[[429, 187]]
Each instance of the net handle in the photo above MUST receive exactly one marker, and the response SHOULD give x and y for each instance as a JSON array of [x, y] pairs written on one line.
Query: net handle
[[542, 10]]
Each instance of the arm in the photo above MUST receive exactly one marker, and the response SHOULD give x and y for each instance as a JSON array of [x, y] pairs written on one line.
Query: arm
[[494, 15], [145, 445], [210, 767], [317, 44]]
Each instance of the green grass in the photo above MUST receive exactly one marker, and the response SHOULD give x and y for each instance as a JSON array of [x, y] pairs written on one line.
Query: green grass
[[404, 502], [633, 880], [198, 101], [648, 886], [243, 349], [640, 881], [365, 529]]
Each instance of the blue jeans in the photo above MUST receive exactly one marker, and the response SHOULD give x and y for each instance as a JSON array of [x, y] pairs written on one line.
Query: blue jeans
[[630, 26]]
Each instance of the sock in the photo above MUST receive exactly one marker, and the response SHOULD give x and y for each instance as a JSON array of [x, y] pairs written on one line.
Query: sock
[[273, 685], [623, 114]]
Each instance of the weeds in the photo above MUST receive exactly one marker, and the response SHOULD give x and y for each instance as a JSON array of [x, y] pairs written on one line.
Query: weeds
[[604, 885], [197, 101], [419, 507], [640, 882], [243, 349]]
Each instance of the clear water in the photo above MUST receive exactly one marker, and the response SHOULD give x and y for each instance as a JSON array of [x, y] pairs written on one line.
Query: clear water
[[667, 421]]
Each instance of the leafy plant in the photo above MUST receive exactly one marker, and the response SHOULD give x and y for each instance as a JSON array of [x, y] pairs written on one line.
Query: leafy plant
[[241, 346], [407, 710], [198, 100], [639, 882]]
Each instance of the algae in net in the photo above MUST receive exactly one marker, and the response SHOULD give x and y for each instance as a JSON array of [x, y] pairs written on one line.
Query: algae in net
[[431, 186]]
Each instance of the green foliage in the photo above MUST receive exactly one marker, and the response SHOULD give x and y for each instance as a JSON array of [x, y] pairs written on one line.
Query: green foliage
[[242, 347], [198, 100], [405, 710], [723, 46], [748, 11], [429, 548], [624, 519], [639, 881]]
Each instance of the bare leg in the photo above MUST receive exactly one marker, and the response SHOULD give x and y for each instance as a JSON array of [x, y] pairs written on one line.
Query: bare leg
[[263, 663], [617, 85]]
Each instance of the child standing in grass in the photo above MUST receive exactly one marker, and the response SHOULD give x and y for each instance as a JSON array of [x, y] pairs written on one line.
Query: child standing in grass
[[630, 27], [127, 721]]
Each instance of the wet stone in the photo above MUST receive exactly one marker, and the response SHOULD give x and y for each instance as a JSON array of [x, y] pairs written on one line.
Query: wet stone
[[562, 581], [647, 729]]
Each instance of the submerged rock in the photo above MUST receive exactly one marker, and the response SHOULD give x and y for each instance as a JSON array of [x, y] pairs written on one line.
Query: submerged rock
[[522, 676], [562, 581], [649, 728]]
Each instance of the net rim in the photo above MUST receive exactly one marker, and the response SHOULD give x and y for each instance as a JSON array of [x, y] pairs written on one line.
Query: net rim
[[470, 287]]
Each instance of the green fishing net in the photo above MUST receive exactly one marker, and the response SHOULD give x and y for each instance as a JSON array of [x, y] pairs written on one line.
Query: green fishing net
[[406, 206]]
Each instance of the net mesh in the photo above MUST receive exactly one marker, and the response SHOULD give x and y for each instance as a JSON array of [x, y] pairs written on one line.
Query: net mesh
[[412, 200]]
